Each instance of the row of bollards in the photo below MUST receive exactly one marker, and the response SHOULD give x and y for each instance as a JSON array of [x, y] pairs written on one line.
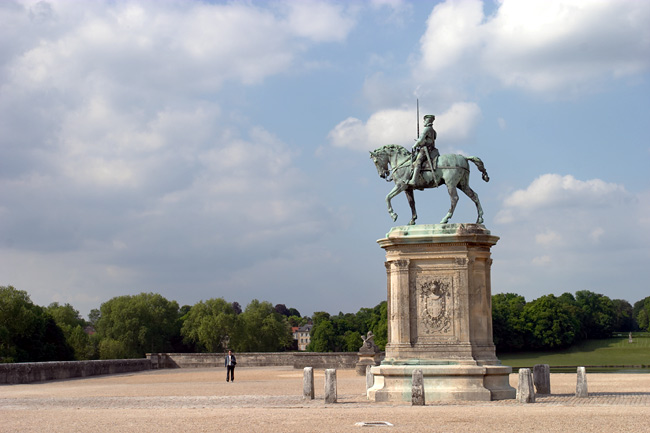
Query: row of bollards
[[540, 380], [330, 383], [308, 384]]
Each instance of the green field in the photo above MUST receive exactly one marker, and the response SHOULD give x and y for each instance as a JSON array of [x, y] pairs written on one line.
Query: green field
[[611, 352]]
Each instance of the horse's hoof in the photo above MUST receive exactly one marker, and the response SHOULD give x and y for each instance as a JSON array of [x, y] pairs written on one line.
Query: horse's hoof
[[394, 216]]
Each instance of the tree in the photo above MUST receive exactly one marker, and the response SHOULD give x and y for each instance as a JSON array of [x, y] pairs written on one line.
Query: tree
[[131, 326], [72, 325], [550, 323], [624, 316], [282, 309], [598, 315], [318, 316], [265, 330], [641, 313], [508, 325], [28, 333], [94, 316], [212, 324], [323, 337]]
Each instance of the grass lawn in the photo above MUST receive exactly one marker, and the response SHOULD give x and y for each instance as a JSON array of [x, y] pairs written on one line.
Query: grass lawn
[[616, 351]]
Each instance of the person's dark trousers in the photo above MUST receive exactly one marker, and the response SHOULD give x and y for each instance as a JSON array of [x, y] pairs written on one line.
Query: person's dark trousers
[[230, 373]]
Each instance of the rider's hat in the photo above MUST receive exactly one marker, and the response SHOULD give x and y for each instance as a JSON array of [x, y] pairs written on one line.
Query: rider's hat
[[429, 116]]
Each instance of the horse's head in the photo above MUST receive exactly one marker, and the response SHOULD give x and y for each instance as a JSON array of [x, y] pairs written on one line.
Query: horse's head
[[381, 163]]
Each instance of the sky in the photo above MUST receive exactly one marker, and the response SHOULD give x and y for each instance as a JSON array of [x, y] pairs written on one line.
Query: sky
[[220, 149]]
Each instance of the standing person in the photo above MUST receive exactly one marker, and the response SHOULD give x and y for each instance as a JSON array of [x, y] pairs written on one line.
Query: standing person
[[231, 361]]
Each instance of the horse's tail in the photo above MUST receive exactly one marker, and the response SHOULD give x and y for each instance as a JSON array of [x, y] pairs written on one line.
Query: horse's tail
[[476, 160]]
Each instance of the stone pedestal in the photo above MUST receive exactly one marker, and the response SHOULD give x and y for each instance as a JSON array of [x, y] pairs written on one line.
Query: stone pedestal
[[365, 360], [440, 315]]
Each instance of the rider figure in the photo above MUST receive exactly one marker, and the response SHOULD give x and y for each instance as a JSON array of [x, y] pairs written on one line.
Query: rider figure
[[426, 142]]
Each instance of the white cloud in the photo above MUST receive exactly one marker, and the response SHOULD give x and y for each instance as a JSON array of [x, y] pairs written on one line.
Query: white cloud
[[596, 234], [396, 126], [577, 235], [453, 32], [541, 261], [319, 21], [562, 213], [542, 46], [549, 237], [553, 190], [126, 170]]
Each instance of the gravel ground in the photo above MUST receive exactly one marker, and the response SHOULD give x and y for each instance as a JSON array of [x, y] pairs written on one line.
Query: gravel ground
[[269, 400]]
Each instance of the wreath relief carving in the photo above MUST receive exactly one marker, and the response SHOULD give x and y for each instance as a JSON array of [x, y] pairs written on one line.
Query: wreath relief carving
[[434, 311]]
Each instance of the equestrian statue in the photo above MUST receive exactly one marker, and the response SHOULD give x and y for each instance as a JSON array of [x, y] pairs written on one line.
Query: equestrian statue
[[424, 168]]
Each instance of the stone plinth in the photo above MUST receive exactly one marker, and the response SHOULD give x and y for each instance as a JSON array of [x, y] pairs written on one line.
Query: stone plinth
[[440, 315], [365, 360]]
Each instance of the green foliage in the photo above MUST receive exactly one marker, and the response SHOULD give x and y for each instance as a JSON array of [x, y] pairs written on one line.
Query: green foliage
[[264, 329], [624, 316], [641, 313], [298, 321], [72, 325], [597, 314], [557, 322], [508, 324], [209, 324], [342, 333], [323, 337], [550, 323], [28, 332], [131, 326], [601, 352]]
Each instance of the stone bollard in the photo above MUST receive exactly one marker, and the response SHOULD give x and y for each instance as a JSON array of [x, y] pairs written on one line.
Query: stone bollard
[[542, 378], [417, 388], [308, 383], [525, 390], [330, 385], [370, 378], [581, 385]]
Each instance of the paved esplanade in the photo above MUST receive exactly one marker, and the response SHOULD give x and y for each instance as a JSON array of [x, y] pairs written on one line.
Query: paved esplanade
[[270, 399]]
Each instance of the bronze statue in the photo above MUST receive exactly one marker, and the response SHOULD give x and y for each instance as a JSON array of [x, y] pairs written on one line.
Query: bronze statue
[[425, 146], [394, 163]]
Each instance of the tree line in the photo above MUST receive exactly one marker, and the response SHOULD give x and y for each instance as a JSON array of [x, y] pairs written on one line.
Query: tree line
[[130, 326], [554, 322]]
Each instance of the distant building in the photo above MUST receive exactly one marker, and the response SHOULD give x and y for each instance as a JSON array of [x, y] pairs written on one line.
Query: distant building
[[301, 335]]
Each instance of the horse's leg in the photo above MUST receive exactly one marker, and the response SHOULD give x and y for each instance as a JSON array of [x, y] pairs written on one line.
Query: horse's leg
[[469, 192], [411, 199], [396, 190], [453, 196]]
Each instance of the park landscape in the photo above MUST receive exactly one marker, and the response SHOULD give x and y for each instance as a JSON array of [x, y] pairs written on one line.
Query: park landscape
[[162, 162]]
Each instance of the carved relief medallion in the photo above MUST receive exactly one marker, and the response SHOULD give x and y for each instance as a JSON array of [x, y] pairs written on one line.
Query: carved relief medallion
[[434, 305]]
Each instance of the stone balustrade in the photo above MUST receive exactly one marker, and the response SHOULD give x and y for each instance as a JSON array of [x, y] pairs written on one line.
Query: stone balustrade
[[298, 360], [28, 372]]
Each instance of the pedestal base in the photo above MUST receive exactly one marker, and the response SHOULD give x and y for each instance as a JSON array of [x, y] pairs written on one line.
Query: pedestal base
[[443, 382], [440, 315]]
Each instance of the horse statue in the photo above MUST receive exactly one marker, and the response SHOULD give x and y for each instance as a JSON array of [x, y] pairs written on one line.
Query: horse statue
[[394, 163]]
